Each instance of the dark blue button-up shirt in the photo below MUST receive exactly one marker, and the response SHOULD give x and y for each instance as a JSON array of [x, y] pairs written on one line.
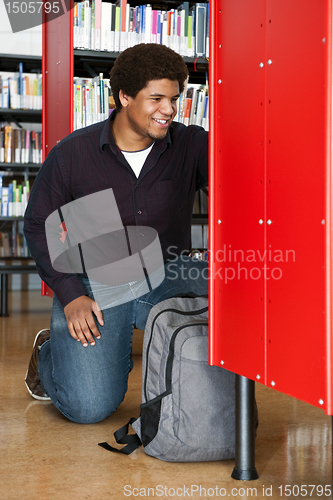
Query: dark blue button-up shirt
[[88, 161]]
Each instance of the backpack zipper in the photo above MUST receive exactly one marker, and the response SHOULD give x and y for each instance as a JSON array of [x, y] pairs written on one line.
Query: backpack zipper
[[169, 364], [184, 313]]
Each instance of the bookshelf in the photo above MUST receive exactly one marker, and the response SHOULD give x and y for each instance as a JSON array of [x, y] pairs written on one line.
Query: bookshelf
[[14, 257], [92, 63], [59, 67], [21, 115]]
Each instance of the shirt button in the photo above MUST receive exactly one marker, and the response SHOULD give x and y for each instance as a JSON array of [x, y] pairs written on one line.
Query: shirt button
[[139, 212]]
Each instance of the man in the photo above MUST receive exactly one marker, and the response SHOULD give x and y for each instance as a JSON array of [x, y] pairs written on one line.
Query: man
[[154, 167]]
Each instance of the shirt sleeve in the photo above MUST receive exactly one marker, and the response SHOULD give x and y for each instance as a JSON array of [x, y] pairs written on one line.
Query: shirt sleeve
[[50, 191], [199, 151]]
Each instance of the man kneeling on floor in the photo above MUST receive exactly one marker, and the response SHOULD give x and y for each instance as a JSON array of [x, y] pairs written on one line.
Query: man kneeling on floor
[[98, 192]]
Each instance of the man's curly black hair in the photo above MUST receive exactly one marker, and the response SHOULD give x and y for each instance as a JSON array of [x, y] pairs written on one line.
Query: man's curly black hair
[[138, 65]]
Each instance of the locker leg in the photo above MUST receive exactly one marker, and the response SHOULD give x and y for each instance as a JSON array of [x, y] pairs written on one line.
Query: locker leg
[[4, 295], [245, 430]]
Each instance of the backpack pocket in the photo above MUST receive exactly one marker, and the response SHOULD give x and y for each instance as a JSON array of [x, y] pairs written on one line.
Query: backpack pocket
[[207, 422], [157, 433], [150, 419]]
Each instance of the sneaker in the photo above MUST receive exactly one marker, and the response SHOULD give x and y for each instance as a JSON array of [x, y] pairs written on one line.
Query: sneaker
[[32, 380]]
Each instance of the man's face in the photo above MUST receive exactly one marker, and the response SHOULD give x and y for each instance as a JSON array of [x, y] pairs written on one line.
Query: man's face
[[151, 112]]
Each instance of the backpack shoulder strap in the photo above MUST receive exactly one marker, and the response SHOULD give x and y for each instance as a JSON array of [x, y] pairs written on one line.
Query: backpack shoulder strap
[[132, 441]]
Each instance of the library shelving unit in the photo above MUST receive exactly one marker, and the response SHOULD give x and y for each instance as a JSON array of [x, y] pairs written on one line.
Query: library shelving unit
[[61, 62], [16, 264], [89, 63]]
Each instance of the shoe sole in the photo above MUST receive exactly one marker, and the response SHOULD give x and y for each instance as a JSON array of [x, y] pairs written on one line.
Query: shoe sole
[[39, 398]]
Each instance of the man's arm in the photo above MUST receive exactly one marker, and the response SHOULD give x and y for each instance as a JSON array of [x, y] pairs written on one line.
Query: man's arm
[[50, 191]]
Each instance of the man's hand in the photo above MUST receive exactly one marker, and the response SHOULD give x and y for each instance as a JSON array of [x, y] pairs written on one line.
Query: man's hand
[[80, 320]]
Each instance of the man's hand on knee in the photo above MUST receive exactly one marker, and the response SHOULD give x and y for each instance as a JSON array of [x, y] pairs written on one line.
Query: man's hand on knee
[[80, 320]]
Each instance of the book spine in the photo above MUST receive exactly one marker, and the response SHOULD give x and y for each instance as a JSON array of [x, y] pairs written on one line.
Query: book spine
[[75, 31], [98, 14], [113, 26], [4, 202], [200, 33], [2, 145], [117, 30], [20, 90], [92, 25]]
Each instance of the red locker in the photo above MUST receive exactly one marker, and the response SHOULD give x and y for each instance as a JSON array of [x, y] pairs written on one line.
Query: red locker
[[270, 213]]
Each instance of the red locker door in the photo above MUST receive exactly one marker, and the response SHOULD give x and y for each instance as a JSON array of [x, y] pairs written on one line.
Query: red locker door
[[271, 182], [237, 210], [296, 181]]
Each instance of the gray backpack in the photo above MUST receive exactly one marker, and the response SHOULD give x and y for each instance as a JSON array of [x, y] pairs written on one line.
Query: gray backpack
[[188, 407]]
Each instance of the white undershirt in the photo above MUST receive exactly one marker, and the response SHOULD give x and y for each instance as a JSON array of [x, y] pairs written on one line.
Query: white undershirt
[[137, 158]]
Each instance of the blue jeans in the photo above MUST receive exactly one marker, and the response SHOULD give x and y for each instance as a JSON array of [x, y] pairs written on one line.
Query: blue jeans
[[87, 384]]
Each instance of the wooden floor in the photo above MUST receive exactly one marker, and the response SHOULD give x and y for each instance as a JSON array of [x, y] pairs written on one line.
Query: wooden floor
[[44, 456]]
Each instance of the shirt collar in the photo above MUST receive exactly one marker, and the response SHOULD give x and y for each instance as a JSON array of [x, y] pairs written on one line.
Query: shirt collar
[[107, 137]]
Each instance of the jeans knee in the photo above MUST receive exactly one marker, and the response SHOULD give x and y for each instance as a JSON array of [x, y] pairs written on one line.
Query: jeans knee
[[90, 411], [89, 415]]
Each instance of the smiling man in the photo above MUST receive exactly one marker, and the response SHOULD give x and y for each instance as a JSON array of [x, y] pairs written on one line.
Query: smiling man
[[153, 166]]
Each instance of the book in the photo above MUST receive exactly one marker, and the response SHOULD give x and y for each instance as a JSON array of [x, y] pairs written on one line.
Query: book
[[2, 145], [183, 9], [187, 110], [113, 28], [92, 25], [98, 21], [80, 26], [200, 29], [184, 29], [86, 18], [76, 25], [8, 143], [5, 93], [205, 122], [200, 107], [192, 92], [17, 146], [123, 25], [117, 30], [27, 146]]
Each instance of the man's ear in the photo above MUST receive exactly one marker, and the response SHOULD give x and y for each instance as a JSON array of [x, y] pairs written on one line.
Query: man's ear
[[123, 98]]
